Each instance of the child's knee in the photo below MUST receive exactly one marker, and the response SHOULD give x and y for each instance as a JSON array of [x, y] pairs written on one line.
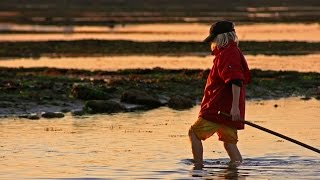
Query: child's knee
[[192, 134]]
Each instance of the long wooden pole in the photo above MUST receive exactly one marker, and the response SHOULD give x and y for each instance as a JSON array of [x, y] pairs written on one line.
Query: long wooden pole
[[276, 134]]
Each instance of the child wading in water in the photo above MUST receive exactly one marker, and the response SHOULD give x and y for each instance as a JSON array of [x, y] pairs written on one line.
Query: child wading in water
[[225, 92]]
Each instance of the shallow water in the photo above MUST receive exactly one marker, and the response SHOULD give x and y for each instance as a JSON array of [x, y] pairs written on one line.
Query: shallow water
[[154, 145], [162, 32], [306, 63]]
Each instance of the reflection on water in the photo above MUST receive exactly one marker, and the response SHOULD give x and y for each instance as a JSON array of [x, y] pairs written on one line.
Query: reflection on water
[[154, 144], [162, 32], [265, 167], [304, 63]]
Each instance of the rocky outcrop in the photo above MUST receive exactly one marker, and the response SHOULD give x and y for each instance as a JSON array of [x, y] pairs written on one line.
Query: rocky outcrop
[[103, 106], [141, 98], [51, 115], [179, 102]]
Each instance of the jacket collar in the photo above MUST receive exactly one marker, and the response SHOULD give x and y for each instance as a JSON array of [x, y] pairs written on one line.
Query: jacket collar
[[217, 50]]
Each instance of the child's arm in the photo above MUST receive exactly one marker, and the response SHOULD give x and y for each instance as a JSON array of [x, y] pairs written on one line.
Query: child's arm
[[235, 111]]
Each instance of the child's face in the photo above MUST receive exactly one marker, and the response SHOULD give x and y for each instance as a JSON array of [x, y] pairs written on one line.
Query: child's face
[[213, 45]]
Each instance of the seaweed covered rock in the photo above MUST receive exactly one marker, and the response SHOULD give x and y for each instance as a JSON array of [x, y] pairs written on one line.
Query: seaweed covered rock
[[179, 102], [103, 106], [6, 104], [86, 92], [140, 97]]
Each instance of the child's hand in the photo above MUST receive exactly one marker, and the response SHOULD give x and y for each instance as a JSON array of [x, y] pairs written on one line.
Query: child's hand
[[235, 113]]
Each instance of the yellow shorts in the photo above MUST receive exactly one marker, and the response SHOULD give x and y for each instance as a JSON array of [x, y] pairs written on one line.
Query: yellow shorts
[[204, 129]]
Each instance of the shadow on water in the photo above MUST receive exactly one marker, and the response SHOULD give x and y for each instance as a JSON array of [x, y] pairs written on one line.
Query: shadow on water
[[228, 172]]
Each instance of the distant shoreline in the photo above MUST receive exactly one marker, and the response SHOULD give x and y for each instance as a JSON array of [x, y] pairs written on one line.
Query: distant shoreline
[[111, 13]]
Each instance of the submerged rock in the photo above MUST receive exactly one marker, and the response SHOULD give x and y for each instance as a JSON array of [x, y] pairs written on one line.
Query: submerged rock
[[103, 106], [140, 97], [179, 102], [32, 116], [50, 115], [88, 93], [305, 98]]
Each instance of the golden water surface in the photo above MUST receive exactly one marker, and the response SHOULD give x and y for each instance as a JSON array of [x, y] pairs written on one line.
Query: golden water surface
[[154, 144], [305, 63], [163, 32]]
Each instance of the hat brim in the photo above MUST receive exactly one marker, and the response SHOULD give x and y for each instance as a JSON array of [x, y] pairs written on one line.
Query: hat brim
[[210, 38]]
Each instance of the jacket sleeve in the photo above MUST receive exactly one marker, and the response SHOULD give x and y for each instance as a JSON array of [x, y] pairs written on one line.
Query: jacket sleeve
[[230, 68]]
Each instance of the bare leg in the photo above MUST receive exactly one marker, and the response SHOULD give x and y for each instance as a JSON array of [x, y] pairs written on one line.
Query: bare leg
[[233, 152], [197, 149]]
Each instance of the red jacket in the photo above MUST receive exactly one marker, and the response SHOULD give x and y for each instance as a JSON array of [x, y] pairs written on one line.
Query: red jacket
[[228, 64]]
